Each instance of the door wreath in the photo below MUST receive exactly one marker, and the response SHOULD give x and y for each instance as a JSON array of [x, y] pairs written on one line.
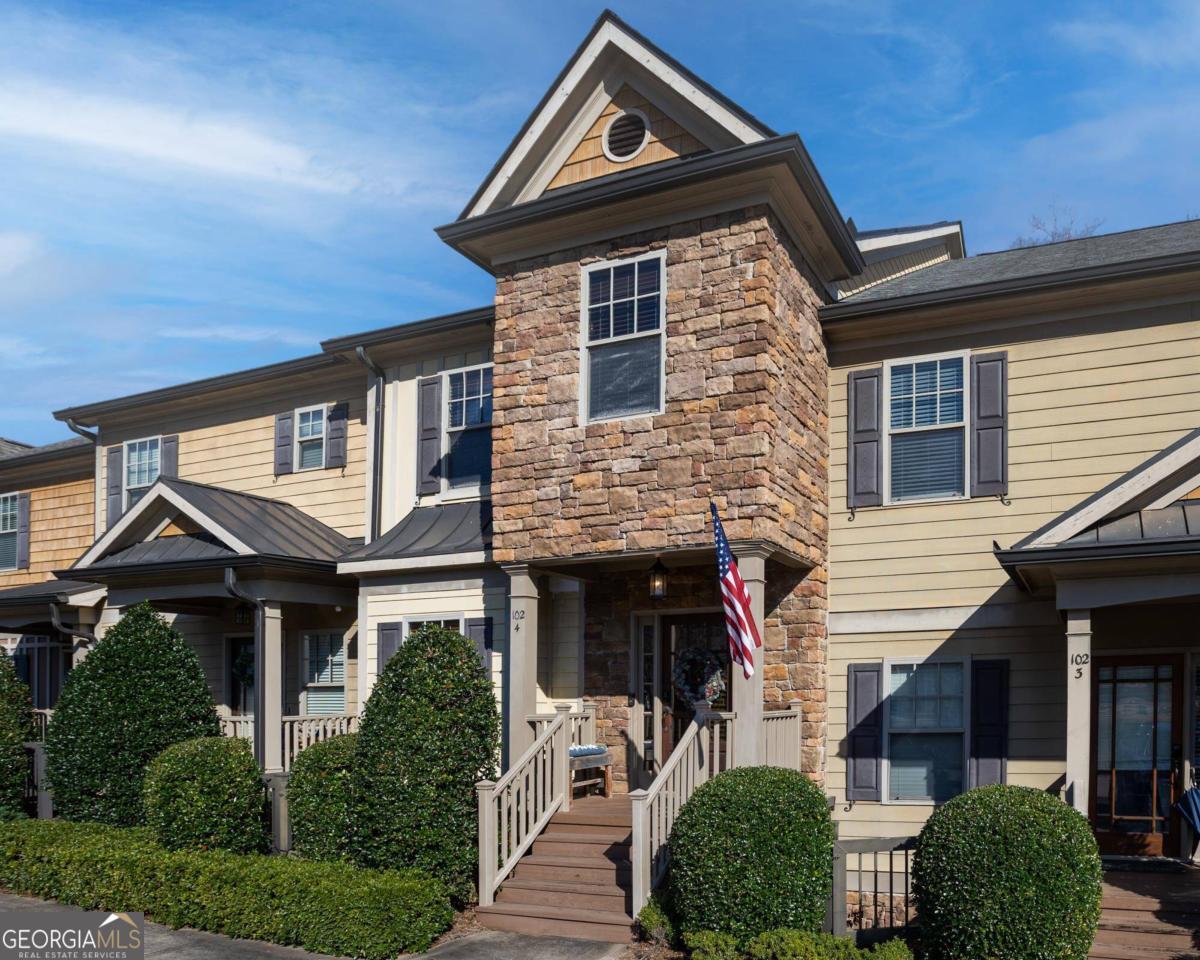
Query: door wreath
[[699, 675]]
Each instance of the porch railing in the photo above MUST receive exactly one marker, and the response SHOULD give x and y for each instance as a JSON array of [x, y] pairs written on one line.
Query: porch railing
[[583, 724], [780, 742], [238, 727], [301, 732], [872, 895], [702, 752], [517, 807], [41, 722]]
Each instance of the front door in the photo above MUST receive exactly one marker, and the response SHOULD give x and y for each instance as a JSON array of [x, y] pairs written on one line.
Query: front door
[[1137, 753], [241, 676]]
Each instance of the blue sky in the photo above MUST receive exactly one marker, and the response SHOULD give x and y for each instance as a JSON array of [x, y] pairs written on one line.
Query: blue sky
[[194, 188]]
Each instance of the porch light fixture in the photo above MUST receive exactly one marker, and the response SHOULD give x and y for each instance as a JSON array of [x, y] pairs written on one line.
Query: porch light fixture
[[658, 580]]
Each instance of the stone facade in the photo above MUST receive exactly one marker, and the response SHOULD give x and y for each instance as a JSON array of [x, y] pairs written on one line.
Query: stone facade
[[746, 413]]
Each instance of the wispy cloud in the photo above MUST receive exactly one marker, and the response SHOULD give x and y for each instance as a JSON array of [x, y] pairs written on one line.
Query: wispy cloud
[[230, 333], [1171, 40], [16, 250]]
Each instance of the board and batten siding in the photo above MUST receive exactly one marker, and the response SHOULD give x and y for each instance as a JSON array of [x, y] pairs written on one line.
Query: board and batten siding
[[60, 528], [1090, 398], [233, 446]]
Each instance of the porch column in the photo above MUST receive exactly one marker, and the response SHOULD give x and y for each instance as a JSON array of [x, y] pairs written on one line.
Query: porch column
[[522, 658], [268, 684], [1079, 708], [747, 699]]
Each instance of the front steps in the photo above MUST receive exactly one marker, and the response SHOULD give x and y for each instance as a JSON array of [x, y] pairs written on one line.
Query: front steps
[[575, 880], [1149, 916]]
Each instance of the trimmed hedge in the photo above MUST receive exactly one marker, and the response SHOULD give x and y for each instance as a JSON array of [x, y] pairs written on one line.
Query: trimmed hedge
[[428, 733], [319, 800], [1007, 871], [330, 908], [787, 944], [752, 851], [139, 691], [16, 726], [207, 794]]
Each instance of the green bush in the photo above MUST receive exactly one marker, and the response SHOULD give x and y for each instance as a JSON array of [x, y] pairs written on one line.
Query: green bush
[[16, 726], [138, 691], [207, 794], [805, 945], [655, 921], [1009, 872], [319, 799], [710, 945], [429, 732], [752, 851], [332, 908]]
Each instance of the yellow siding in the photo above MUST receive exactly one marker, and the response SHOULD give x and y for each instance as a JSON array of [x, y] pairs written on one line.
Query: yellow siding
[[60, 529]]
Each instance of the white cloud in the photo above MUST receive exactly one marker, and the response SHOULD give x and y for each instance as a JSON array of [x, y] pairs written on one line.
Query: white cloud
[[16, 251], [1172, 41], [220, 145], [239, 334]]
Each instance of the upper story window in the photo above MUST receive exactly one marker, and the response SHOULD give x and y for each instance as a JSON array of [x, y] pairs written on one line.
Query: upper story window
[[310, 438], [468, 428], [624, 304], [926, 428], [8, 531], [927, 723], [142, 466]]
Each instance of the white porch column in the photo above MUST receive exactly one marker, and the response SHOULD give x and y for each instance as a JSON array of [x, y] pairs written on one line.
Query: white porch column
[[522, 658], [268, 683], [747, 699], [1079, 708]]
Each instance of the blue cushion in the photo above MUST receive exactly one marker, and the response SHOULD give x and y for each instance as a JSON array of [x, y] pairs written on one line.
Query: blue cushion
[[587, 750]]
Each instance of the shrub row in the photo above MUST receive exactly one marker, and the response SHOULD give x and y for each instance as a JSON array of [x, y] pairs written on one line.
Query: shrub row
[[787, 944], [16, 726], [330, 908], [319, 799]]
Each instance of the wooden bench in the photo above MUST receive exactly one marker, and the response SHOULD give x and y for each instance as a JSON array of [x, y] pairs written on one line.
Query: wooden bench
[[597, 761]]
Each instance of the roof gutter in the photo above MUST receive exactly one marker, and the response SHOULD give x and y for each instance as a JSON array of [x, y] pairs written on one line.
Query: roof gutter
[[76, 428], [377, 386], [260, 649], [78, 631]]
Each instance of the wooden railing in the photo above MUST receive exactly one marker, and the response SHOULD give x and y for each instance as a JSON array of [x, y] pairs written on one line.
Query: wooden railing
[[302, 732], [583, 724], [871, 888], [702, 752], [41, 721], [517, 807], [238, 727], [781, 738]]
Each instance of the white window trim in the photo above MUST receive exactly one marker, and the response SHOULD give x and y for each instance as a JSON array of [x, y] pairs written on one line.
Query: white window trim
[[408, 621], [296, 439], [305, 686], [450, 494], [15, 494], [125, 467], [585, 368], [885, 748], [887, 427]]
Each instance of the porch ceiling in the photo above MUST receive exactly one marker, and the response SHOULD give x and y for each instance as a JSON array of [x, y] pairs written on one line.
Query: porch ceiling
[[595, 565]]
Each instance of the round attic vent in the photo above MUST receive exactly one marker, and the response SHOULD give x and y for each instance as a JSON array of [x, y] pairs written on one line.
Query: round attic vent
[[625, 136]]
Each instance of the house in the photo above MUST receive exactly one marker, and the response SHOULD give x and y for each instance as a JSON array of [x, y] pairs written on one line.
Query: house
[[963, 491]]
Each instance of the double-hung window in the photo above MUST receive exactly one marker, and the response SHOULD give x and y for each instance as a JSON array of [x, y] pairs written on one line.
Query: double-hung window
[[8, 531], [310, 438], [468, 425], [447, 621], [325, 674], [624, 307], [926, 730], [927, 428], [142, 464]]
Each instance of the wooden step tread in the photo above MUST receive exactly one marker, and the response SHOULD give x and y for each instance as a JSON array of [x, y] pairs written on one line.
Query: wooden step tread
[[1174, 939], [566, 886], [568, 914], [589, 862], [1165, 922], [581, 837]]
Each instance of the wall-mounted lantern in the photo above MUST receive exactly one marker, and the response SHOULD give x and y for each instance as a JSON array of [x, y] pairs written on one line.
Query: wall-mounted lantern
[[658, 580]]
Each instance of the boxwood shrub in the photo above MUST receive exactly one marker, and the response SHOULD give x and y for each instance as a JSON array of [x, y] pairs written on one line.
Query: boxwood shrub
[[1007, 871], [138, 691], [333, 908], [788, 944], [428, 733], [207, 794], [752, 851], [16, 726], [319, 799]]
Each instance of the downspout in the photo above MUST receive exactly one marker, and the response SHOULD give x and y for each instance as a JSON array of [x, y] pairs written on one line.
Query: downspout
[[86, 434], [78, 632], [234, 589], [376, 439]]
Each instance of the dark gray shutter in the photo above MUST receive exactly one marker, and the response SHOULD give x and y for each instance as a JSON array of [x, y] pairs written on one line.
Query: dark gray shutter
[[168, 456], [479, 629], [429, 435], [335, 436], [284, 424], [989, 722], [864, 731], [864, 451], [113, 488], [22, 531], [989, 424], [389, 636]]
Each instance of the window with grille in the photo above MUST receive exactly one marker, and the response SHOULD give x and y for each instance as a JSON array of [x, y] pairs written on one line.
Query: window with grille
[[927, 428], [926, 723], [8, 531], [142, 463], [325, 674], [448, 622], [468, 445], [310, 438], [624, 309]]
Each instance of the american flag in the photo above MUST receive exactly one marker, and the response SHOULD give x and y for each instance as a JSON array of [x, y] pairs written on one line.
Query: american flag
[[739, 621]]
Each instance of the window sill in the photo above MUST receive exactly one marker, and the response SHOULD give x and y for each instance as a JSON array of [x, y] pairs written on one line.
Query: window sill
[[927, 501], [624, 416]]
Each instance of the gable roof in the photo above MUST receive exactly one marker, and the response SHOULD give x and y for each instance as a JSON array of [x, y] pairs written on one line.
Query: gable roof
[[609, 47], [234, 525], [460, 532]]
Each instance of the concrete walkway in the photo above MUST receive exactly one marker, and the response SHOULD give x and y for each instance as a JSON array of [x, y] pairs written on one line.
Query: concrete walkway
[[496, 945]]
